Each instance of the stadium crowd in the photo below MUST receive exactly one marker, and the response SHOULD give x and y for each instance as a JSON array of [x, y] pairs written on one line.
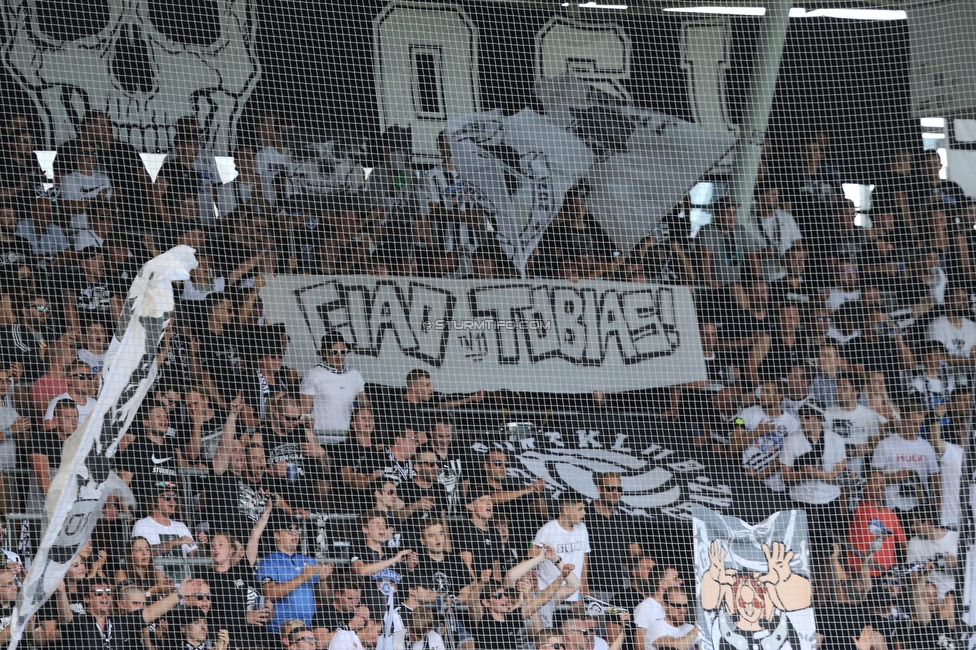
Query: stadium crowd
[[283, 511]]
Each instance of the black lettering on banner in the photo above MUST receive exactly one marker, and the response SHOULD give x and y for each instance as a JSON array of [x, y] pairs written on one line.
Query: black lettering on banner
[[505, 324]]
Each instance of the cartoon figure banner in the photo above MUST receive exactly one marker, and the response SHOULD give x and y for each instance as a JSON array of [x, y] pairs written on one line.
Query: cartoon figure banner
[[753, 588]]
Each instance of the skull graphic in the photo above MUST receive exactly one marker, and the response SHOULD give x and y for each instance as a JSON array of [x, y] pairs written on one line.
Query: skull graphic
[[145, 63]]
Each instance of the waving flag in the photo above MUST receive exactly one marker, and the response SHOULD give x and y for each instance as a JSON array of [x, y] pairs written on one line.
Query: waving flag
[[638, 163], [85, 479]]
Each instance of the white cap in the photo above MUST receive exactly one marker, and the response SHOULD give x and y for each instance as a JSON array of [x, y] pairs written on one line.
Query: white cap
[[345, 640]]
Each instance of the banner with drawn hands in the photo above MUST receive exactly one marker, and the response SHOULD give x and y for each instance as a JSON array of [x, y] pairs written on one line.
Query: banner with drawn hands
[[753, 582]]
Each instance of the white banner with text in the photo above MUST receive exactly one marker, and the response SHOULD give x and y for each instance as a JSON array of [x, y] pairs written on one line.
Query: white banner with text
[[541, 335]]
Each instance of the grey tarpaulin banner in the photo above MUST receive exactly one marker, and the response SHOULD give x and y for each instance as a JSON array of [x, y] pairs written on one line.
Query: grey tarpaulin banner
[[753, 582], [539, 335], [84, 480]]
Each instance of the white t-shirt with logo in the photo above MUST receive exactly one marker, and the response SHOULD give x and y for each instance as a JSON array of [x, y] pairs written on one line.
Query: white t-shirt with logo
[[895, 453], [765, 449], [858, 428], [957, 342], [814, 491], [335, 393], [571, 545]]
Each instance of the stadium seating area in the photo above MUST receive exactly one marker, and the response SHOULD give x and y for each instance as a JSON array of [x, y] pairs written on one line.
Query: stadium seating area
[[281, 507]]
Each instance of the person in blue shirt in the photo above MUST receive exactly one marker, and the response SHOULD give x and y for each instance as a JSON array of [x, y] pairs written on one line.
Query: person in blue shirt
[[287, 577]]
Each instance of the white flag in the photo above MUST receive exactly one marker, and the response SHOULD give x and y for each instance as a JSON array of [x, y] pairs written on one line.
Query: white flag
[[519, 168], [85, 480], [637, 163]]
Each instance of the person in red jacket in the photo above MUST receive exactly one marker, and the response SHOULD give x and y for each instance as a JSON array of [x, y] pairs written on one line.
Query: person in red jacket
[[875, 527]]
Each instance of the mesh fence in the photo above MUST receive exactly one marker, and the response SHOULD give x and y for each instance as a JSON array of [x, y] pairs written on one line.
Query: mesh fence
[[485, 324]]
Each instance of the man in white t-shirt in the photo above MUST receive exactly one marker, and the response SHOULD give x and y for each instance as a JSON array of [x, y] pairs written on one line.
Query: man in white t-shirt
[[568, 535], [661, 578], [858, 425], [82, 386], [812, 459], [766, 427], [165, 535], [330, 389], [955, 331], [908, 462], [672, 631]]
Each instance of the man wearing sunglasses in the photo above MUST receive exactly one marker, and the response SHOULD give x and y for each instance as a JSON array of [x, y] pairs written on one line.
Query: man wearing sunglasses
[[82, 386], [292, 452], [100, 629], [673, 631], [331, 389], [167, 537], [614, 536]]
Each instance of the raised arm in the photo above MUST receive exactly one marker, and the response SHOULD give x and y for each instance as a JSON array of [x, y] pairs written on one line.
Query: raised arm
[[221, 457]]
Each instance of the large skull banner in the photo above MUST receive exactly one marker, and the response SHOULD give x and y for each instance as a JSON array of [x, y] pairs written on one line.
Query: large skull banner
[[145, 63]]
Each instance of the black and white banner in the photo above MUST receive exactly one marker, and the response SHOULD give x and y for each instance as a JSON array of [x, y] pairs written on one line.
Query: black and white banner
[[84, 481], [638, 163], [541, 336]]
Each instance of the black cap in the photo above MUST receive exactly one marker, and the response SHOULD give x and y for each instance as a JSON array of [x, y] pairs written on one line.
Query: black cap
[[330, 338]]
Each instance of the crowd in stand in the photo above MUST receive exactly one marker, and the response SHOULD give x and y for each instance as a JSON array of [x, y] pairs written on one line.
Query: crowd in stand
[[839, 371]]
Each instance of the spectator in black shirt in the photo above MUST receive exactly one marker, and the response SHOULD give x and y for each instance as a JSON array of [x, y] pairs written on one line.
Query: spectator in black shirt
[[345, 612], [203, 424], [422, 497], [369, 557], [292, 451], [121, 163], [238, 491], [476, 540], [360, 461], [266, 376], [444, 573], [614, 539], [27, 341], [510, 496], [196, 633], [795, 288], [153, 455], [439, 569], [399, 456], [419, 398], [451, 473], [18, 167], [500, 615], [931, 190], [881, 347], [44, 452], [234, 592], [788, 345], [89, 290], [16, 257], [221, 348]]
